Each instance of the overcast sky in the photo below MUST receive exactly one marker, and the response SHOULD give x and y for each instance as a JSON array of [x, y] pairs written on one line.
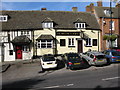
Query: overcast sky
[[53, 5]]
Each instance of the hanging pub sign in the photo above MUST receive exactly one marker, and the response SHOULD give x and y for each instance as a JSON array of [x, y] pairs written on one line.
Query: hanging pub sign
[[68, 33]]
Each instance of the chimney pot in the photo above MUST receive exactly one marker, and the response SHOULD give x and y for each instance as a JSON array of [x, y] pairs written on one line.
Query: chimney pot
[[43, 9], [118, 4], [74, 9], [99, 3]]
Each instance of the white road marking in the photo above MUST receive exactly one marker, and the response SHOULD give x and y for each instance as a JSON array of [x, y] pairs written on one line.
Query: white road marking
[[110, 78], [70, 84], [52, 87]]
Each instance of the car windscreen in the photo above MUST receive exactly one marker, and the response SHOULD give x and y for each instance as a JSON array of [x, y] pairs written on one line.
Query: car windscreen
[[49, 59], [73, 57], [116, 53], [100, 56]]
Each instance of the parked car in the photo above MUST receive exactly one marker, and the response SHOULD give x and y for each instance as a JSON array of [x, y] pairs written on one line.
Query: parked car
[[118, 50], [73, 60], [94, 58], [112, 55], [48, 61]]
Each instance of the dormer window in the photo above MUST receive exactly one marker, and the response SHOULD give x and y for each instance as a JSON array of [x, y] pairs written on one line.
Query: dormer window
[[47, 24], [3, 18], [80, 25], [107, 12]]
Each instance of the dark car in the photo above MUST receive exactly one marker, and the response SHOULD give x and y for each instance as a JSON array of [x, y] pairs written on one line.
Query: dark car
[[112, 55], [73, 60]]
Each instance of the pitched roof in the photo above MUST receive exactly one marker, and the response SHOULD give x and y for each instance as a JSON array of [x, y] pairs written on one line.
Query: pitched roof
[[100, 12], [21, 40], [18, 20], [45, 37]]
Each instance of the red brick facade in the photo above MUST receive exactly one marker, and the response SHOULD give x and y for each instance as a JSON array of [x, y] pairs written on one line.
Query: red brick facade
[[104, 23]]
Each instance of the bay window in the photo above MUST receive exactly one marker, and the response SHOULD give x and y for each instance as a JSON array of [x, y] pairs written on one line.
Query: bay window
[[45, 44]]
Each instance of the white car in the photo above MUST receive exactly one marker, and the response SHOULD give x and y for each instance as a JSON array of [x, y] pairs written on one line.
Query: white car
[[48, 61]]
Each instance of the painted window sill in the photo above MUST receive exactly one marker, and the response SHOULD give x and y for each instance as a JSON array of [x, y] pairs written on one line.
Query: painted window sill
[[71, 46]]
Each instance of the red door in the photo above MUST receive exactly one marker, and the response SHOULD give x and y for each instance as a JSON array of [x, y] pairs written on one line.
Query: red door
[[18, 52], [80, 46]]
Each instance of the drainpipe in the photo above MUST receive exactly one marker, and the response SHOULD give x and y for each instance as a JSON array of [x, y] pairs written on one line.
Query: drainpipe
[[55, 43], [102, 33], [98, 41], [111, 22], [33, 44]]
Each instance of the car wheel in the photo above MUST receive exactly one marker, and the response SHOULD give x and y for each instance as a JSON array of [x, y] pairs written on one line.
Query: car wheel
[[108, 61], [66, 66], [71, 68], [87, 65]]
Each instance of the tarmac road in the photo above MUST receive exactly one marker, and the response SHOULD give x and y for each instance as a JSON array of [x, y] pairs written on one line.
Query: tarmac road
[[26, 76]]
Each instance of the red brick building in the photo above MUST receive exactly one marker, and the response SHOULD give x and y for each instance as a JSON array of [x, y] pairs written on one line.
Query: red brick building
[[105, 18]]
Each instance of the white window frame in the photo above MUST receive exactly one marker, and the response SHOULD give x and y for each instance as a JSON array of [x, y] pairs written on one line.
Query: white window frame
[[89, 42], [113, 25], [115, 44], [25, 32], [107, 12], [47, 25], [26, 48], [80, 25], [3, 18], [72, 42], [39, 44]]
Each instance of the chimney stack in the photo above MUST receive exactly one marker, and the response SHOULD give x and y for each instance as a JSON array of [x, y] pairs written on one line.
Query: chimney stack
[[99, 3], [90, 8], [43, 9], [74, 9], [118, 5]]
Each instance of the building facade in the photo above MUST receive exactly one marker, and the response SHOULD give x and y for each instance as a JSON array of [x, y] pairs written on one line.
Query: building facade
[[34, 33], [108, 19]]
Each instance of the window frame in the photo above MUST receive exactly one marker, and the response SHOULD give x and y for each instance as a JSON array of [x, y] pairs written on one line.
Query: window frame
[[80, 25], [89, 42], [26, 48], [25, 32], [61, 42], [113, 25], [3, 18], [71, 42], [46, 43], [107, 12], [47, 25], [94, 43]]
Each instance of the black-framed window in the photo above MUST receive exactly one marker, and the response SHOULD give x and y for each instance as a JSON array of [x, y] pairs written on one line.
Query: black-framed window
[[89, 42], [71, 42], [94, 42], [62, 42], [10, 52]]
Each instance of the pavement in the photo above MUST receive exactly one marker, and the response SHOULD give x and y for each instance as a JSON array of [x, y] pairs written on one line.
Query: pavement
[[5, 65]]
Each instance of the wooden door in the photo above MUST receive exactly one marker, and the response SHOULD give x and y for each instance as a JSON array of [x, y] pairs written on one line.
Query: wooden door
[[80, 46]]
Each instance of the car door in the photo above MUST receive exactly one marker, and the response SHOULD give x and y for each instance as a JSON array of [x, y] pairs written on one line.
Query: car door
[[87, 57], [108, 55], [91, 59]]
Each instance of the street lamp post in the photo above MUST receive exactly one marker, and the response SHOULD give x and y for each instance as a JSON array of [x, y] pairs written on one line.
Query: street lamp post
[[110, 22]]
